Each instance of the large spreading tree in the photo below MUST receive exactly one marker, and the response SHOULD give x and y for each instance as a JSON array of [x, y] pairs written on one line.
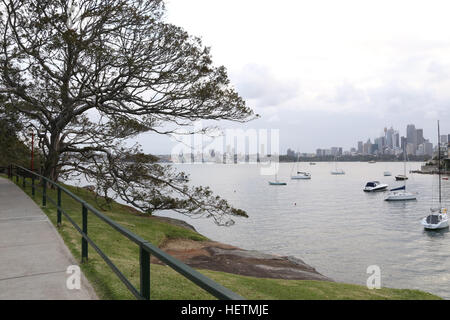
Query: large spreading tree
[[90, 75]]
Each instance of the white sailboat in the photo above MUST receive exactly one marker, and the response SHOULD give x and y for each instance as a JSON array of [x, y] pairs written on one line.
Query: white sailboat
[[400, 193], [337, 171], [438, 219], [276, 182], [300, 175]]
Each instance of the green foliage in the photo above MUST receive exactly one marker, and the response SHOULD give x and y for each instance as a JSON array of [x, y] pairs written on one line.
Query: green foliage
[[12, 149]]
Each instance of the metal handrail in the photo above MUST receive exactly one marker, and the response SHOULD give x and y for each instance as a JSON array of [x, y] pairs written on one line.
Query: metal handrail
[[145, 248]]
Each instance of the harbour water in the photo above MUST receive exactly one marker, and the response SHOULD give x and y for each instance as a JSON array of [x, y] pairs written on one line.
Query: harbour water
[[333, 225]]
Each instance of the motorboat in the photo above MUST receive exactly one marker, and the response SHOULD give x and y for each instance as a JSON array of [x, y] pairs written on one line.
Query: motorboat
[[387, 173], [401, 177], [373, 186], [301, 176], [312, 163], [436, 220]]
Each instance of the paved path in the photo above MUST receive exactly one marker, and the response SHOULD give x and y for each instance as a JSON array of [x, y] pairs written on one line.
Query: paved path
[[33, 256]]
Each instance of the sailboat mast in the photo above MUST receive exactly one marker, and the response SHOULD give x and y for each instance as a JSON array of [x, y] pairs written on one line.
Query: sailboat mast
[[439, 163], [404, 166]]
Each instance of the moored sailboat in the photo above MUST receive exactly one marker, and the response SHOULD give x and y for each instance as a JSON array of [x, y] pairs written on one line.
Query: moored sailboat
[[400, 193], [438, 219], [300, 175]]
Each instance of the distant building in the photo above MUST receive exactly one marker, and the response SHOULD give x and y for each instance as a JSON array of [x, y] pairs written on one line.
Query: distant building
[[411, 138], [396, 140], [428, 148], [290, 153], [390, 138], [373, 148], [319, 152], [419, 134], [334, 151], [367, 147], [403, 142], [360, 147], [410, 148]]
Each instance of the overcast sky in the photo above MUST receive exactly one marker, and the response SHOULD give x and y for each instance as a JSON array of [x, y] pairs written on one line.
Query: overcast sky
[[326, 72]]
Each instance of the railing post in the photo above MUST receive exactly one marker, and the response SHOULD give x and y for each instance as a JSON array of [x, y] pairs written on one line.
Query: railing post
[[23, 181], [84, 243], [44, 192], [59, 206], [17, 175], [144, 260], [9, 172], [32, 186]]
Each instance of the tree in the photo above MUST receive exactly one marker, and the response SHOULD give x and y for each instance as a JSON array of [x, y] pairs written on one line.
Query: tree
[[91, 75], [12, 148]]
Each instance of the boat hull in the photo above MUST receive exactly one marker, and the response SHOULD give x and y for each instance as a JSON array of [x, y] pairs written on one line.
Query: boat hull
[[301, 177], [277, 183], [375, 189], [434, 226], [400, 196]]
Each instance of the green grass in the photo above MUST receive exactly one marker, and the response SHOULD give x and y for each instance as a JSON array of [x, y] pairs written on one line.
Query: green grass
[[167, 284]]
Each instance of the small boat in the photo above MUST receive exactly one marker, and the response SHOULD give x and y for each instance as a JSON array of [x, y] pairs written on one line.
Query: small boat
[[373, 186], [401, 177], [438, 219], [301, 176], [445, 178], [312, 163], [387, 173], [372, 161]]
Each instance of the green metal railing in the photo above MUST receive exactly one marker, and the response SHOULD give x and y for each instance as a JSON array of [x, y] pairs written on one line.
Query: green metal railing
[[146, 249]]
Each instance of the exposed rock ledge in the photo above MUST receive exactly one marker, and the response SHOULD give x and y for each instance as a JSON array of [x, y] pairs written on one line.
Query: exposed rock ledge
[[217, 256]]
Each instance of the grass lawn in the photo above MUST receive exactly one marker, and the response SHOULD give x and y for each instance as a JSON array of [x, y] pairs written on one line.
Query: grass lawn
[[166, 283]]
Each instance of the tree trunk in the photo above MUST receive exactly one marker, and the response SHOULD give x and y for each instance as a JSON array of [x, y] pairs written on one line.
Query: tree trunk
[[51, 170]]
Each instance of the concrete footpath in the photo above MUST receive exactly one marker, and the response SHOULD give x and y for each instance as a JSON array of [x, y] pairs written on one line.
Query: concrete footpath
[[33, 256]]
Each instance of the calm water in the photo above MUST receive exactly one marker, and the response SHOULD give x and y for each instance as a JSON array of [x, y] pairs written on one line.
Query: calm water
[[333, 225]]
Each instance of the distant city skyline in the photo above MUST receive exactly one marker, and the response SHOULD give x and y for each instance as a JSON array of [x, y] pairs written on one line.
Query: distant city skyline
[[335, 83], [389, 143]]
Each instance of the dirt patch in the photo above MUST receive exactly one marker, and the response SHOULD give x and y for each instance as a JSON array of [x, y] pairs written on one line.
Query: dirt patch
[[217, 256]]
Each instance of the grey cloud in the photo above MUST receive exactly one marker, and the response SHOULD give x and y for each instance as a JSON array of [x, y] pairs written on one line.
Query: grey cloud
[[257, 83]]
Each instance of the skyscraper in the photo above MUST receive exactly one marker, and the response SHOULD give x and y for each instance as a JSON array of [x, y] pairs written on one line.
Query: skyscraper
[[396, 140], [419, 134], [360, 147], [390, 138], [411, 138]]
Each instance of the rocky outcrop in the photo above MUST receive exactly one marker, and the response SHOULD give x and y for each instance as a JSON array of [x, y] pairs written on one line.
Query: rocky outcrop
[[217, 256]]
